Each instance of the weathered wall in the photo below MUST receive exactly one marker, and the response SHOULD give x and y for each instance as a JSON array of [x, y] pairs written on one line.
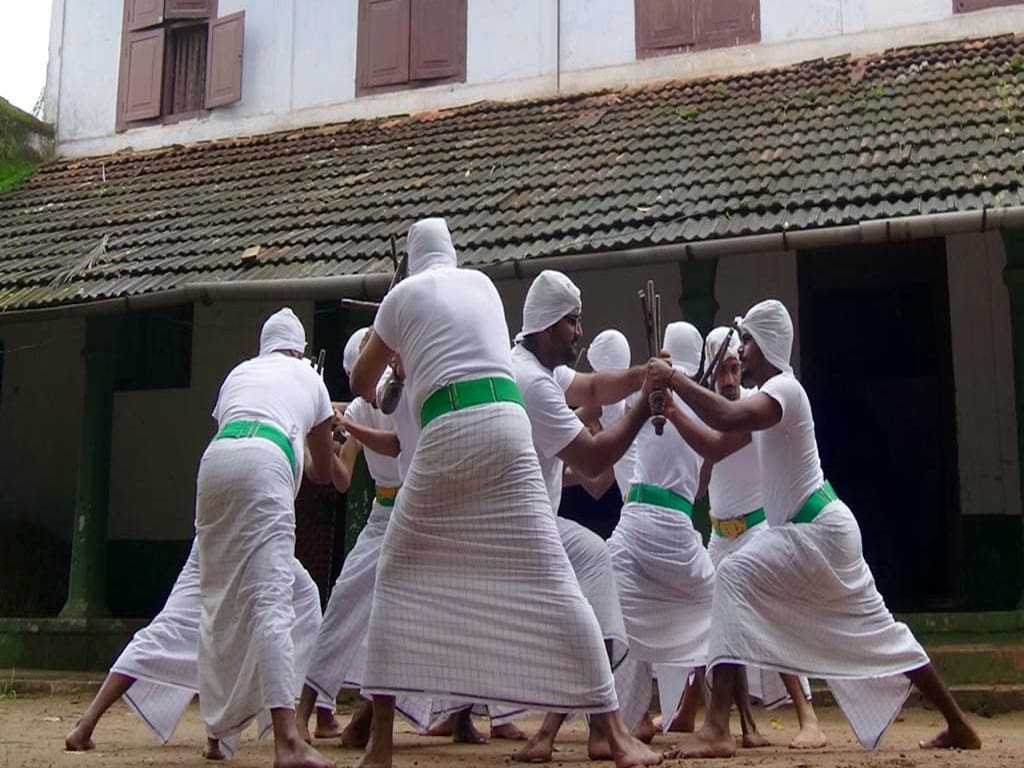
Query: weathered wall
[[300, 58]]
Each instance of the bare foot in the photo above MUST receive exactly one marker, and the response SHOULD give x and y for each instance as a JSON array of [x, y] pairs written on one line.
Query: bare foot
[[646, 731], [465, 731], [372, 761], [713, 744], [538, 749], [356, 734], [635, 753], [754, 740], [508, 732], [657, 722], [298, 754], [302, 726], [957, 736], [327, 725], [444, 727], [80, 739], [212, 750], [810, 737]]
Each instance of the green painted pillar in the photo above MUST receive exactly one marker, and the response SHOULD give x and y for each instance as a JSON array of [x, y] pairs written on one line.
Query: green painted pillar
[[358, 500], [1013, 276], [87, 583], [697, 300]]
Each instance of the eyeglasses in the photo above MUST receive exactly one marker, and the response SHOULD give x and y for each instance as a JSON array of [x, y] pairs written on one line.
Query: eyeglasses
[[574, 321]]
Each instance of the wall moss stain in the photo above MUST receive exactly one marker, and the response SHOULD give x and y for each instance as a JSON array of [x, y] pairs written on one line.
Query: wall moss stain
[[25, 142]]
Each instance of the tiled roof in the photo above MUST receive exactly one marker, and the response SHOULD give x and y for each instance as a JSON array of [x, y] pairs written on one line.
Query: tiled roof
[[922, 130]]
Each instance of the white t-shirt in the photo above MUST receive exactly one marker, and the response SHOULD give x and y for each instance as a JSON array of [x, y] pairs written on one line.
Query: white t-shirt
[[735, 486], [279, 390], [448, 325], [667, 460], [624, 467], [788, 452], [383, 469], [553, 422]]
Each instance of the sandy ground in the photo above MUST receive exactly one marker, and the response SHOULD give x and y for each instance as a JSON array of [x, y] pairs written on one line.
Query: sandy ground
[[32, 734]]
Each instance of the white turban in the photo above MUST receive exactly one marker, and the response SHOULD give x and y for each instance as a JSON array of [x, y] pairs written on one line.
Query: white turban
[[351, 353], [282, 333], [551, 297], [714, 341], [683, 344], [769, 324], [429, 244], [608, 351]]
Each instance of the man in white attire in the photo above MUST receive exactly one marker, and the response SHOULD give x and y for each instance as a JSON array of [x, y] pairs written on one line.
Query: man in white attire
[[545, 346], [737, 517], [799, 597], [609, 351], [271, 412], [664, 575], [475, 599]]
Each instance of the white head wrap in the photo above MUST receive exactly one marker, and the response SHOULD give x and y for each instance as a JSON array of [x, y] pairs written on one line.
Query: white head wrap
[[608, 351], [351, 353], [714, 341], [683, 343], [551, 297], [769, 324], [429, 244], [282, 332]]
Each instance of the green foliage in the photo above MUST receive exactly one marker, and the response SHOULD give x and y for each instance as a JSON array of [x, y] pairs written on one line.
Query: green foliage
[[721, 90], [687, 113]]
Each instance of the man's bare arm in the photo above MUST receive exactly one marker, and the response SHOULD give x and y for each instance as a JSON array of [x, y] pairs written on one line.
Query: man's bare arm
[[344, 462], [369, 367], [713, 446], [379, 441], [320, 452], [604, 388], [592, 454]]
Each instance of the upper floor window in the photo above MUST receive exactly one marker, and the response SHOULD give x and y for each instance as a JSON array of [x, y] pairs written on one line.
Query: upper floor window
[[177, 60], [409, 43], [966, 6], [673, 26]]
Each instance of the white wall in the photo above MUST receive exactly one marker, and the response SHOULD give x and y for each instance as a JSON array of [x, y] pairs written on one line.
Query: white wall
[[40, 421], [986, 415], [299, 65]]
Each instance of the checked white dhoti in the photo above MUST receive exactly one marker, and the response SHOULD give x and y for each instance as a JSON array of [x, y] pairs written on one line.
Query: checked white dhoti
[[245, 529], [800, 598], [341, 635], [475, 598], [162, 656], [764, 684], [665, 581]]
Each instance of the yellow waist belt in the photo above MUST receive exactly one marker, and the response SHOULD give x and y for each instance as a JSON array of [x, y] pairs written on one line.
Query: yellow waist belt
[[735, 527], [386, 495]]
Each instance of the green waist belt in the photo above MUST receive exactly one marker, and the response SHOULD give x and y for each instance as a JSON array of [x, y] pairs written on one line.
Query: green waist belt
[[466, 394], [816, 502], [237, 429], [640, 493]]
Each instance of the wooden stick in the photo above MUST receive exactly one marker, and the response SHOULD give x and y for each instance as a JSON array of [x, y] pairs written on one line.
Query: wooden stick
[[358, 304]]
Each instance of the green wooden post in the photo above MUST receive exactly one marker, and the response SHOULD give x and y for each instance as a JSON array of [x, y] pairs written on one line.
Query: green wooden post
[[1013, 277], [358, 500], [87, 582], [697, 300]]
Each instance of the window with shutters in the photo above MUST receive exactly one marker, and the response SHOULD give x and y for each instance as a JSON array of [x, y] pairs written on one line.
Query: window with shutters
[[674, 26], [155, 350], [178, 60], [966, 6], [410, 43]]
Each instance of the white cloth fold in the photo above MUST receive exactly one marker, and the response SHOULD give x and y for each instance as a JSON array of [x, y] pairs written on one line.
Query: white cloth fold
[[282, 332], [552, 296], [351, 352], [683, 343], [715, 339], [768, 322], [800, 598], [609, 351], [429, 244]]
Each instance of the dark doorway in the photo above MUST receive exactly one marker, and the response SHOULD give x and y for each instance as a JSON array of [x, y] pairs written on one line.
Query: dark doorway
[[877, 363]]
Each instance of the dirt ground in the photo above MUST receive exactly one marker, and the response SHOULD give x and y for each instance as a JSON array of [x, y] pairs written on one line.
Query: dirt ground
[[32, 734]]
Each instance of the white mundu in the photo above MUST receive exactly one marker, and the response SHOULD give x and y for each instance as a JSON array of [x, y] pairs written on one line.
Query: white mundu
[[799, 597], [663, 572], [475, 598], [245, 530], [162, 655], [343, 630]]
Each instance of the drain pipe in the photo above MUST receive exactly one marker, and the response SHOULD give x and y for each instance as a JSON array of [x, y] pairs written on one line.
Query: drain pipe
[[372, 286]]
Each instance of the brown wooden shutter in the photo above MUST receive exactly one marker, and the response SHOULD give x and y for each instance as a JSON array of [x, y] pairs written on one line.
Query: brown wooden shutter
[[437, 47], [721, 23], [383, 43], [144, 13], [188, 9], [663, 24], [966, 6], [224, 60], [143, 74]]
